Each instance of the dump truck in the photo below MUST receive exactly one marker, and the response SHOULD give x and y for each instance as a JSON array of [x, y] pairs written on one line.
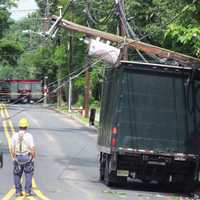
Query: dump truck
[[150, 124]]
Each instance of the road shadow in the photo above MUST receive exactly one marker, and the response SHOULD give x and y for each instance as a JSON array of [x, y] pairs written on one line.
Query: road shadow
[[154, 188]]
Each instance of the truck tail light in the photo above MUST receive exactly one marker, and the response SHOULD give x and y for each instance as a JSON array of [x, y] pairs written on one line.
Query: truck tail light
[[114, 130], [114, 139], [114, 142]]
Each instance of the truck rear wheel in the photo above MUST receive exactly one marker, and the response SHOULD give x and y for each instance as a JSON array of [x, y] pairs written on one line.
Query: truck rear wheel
[[101, 171], [111, 178], [107, 175]]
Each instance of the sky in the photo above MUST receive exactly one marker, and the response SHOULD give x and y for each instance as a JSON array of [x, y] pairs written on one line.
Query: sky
[[24, 8]]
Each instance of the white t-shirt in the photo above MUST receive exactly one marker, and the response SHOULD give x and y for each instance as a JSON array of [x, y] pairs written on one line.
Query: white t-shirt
[[22, 142]]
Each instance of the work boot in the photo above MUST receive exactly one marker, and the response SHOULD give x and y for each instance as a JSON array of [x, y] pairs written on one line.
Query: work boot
[[28, 194], [19, 194]]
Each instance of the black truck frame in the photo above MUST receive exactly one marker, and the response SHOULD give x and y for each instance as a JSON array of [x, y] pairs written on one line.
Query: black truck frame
[[150, 124]]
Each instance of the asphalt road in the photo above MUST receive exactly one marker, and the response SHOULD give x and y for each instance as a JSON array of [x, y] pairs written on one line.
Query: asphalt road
[[66, 166]]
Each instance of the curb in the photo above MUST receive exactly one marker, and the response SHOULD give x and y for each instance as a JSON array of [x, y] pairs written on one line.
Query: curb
[[71, 116]]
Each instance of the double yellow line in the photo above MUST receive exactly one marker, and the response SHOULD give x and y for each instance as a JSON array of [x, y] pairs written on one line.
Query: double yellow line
[[9, 131]]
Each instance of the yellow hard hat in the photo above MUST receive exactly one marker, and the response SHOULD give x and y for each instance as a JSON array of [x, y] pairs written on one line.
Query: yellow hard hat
[[23, 123]]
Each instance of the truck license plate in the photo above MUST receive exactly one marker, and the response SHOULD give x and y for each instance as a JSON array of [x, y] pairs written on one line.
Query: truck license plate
[[122, 173], [156, 163]]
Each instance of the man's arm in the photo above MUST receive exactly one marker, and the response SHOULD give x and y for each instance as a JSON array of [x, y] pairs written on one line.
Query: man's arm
[[13, 153], [32, 147], [33, 153]]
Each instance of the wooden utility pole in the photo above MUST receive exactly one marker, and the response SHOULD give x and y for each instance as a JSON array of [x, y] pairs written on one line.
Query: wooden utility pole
[[122, 31], [87, 89], [144, 47], [87, 92]]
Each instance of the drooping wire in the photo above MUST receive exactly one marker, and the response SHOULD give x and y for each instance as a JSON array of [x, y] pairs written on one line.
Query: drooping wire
[[129, 30]]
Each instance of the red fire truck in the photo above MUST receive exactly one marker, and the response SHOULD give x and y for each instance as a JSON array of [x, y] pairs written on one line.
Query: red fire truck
[[21, 90], [25, 90]]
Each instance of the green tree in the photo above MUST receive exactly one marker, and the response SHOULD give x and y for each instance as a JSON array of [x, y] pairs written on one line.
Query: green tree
[[184, 34], [5, 15], [166, 23], [42, 5], [9, 52]]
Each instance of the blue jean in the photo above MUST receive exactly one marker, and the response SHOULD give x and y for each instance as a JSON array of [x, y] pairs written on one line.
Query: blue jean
[[26, 168]]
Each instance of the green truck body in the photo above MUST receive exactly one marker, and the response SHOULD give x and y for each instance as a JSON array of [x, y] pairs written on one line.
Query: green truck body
[[150, 123]]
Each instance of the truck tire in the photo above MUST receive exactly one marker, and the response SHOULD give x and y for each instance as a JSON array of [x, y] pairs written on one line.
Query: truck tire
[[111, 178], [101, 171], [121, 180], [108, 177]]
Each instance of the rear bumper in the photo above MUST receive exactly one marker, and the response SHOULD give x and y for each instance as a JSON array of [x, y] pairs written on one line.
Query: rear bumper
[[157, 167]]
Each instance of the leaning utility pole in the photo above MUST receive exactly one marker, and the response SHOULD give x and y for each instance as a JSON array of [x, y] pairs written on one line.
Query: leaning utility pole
[[182, 59]]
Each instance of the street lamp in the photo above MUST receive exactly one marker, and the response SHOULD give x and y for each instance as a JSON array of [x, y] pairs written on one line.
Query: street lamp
[[37, 33], [60, 10]]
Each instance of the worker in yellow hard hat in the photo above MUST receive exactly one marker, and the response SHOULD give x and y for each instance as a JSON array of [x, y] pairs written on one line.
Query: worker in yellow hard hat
[[23, 153]]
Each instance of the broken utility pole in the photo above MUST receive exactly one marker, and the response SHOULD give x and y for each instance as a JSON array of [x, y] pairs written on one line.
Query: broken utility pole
[[136, 44]]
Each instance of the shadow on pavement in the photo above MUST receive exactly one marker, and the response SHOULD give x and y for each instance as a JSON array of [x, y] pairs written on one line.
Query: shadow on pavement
[[161, 190]]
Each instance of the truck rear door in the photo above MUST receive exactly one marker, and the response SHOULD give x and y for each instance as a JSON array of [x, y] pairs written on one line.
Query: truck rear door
[[153, 111]]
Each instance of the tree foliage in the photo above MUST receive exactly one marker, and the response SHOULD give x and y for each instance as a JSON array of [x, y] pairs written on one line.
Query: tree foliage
[[43, 9], [185, 32], [172, 24], [4, 24], [9, 52]]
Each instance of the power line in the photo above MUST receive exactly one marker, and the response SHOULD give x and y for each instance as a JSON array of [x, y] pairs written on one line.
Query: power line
[[129, 31], [72, 75]]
